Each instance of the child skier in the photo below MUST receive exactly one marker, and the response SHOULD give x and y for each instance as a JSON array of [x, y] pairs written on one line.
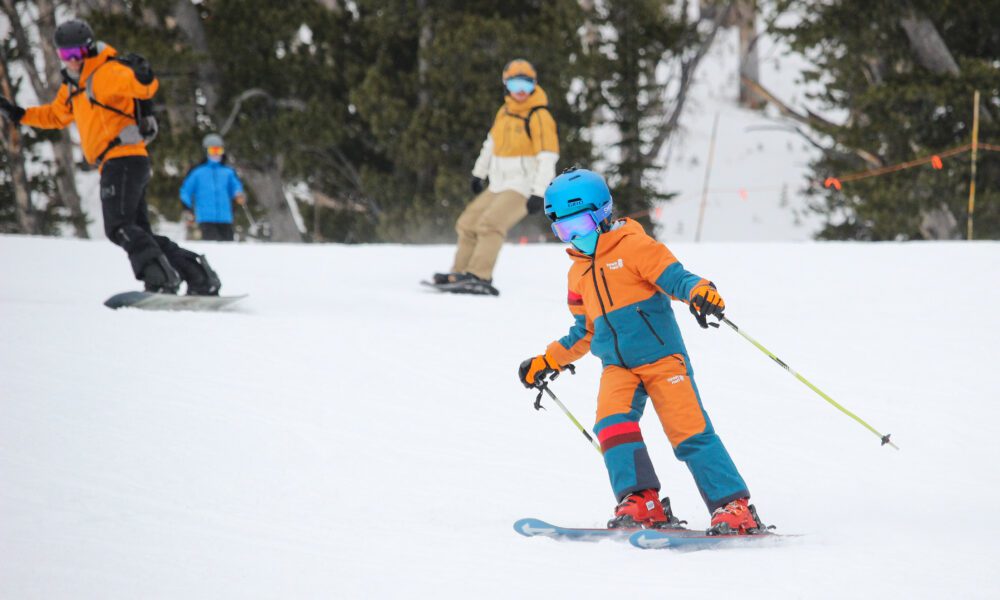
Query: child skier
[[620, 286]]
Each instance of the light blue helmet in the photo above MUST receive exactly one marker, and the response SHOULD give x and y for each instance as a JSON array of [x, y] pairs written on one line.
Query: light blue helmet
[[577, 190], [578, 202]]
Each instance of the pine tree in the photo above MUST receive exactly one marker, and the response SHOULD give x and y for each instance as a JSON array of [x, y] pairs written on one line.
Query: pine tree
[[905, 98]]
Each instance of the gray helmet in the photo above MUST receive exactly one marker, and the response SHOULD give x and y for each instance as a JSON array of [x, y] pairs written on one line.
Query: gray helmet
[[212, 139], [74, 34]]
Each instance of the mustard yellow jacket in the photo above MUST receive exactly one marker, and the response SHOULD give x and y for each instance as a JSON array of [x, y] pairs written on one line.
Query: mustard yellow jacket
[[522, 148]]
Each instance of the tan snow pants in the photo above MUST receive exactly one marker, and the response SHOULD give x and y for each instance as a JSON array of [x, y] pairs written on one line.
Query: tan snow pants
[[481, 229]]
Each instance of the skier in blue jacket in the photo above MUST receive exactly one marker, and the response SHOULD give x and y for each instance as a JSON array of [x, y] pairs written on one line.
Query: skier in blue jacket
[[210, 189]]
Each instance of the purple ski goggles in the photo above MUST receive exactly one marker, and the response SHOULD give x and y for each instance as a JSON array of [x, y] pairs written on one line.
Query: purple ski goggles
[[68, 54], [569, 228]]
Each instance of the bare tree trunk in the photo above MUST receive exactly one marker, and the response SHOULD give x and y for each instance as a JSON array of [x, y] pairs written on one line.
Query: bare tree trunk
[[745, 14], [426, 172], [63, 147], [925, 41], [45, 88], [266, 184], [15, 158], [264, 181], [939, 224]]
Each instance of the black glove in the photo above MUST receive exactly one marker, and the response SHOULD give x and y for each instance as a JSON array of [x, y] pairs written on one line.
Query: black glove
[[11, 110], [140, 66], [477, 185], [535, 204]]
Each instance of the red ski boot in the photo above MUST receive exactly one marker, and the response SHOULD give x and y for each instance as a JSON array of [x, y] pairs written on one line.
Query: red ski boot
[[640, 509], [736, 517]]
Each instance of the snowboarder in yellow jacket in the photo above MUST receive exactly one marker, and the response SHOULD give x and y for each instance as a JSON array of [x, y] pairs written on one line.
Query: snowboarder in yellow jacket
[[516, 163]]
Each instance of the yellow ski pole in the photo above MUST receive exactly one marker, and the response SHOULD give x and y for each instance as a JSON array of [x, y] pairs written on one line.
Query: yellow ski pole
[[884, 438], [543, 386]]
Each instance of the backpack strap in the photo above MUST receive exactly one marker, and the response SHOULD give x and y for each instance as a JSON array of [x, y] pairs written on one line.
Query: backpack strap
[[527, 119]]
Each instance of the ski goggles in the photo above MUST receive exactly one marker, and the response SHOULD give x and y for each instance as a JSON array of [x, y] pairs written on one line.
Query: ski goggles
[[215, 150], [68, 54], [516, 85], [569, 228]]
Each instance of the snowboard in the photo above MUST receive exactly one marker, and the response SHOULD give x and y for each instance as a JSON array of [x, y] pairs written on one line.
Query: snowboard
[[463, 287], [154, 301]]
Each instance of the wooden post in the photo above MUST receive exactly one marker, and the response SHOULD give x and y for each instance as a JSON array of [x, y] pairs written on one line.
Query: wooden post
[[708, 172], [975, 147]]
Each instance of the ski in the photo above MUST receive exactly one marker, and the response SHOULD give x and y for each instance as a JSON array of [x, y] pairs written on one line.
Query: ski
[[536, 527], [689, 540], [154, 301]]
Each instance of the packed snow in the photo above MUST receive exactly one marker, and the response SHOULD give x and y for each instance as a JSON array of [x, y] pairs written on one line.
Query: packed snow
[[349, 434]]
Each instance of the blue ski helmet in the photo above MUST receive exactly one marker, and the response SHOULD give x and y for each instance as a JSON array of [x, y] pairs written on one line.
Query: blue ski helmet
[[577, 190], [584, 196]]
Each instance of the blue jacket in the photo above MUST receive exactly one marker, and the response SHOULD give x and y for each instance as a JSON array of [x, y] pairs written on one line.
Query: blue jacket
[[209, 188]]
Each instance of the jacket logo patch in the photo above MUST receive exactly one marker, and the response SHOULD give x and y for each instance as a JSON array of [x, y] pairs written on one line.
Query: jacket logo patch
[[614, 266], [676, 379]]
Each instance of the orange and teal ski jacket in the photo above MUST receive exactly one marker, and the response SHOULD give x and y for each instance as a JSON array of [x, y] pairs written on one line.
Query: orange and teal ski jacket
[[521, 151], [620, 300], [113, 84]]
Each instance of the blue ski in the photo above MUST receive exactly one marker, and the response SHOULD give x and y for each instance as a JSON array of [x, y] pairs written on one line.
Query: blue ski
[[688, 540], [537, 527]]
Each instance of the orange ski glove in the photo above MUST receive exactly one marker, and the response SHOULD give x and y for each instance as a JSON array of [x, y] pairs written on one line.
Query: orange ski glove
[[705, 301], [534, 370]]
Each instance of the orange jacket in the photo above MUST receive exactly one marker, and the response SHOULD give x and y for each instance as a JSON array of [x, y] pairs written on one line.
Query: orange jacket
[[115, 85], [620, 300]]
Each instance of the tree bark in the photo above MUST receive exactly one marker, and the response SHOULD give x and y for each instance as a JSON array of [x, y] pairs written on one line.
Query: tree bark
[[15, 158], [46, 88], [746, 17], [927, 45], [267, 185]]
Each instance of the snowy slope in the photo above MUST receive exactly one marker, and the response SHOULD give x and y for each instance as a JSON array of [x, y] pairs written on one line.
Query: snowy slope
[[351, 435]]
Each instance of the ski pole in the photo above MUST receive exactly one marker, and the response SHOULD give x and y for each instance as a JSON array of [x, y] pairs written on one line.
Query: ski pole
[[250, 219], [884, 438], [544, 387]]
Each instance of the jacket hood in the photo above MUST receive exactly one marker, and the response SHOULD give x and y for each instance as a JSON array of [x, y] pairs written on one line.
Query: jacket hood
[[104, 52], [609, 239], [537, 98]]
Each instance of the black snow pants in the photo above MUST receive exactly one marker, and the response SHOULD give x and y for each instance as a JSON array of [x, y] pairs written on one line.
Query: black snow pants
[[126, 219], [217, 232]]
